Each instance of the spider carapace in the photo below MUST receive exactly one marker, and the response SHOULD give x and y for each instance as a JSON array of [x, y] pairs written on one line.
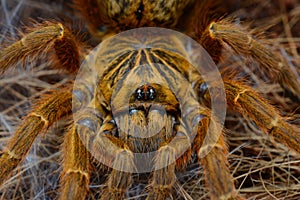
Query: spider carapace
[[167, 108]]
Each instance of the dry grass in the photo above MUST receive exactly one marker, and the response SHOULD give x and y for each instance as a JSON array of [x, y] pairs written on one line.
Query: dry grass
[[262, 169]]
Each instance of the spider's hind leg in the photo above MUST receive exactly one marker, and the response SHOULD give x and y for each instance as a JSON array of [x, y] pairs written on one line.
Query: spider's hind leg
[[43, 38]]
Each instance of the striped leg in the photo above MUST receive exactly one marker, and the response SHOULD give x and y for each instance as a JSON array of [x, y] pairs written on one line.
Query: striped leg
[[48, 110]]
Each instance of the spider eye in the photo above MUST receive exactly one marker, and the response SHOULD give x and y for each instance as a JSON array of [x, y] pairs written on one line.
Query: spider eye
[[145, 93], [151, 94], [139, 94]]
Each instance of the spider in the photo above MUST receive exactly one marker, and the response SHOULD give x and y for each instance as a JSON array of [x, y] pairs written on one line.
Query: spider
[[105, 128]]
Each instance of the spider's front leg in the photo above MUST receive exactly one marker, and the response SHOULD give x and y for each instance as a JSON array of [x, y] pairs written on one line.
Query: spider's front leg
[[76, 168], [212, 153], [97, 136], [41, 39]]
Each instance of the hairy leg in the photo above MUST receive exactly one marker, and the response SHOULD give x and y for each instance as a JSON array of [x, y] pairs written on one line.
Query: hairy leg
[[165, 162], [46, 111], [122, 163], [212, 153], [95, 134], [76, 167], [40, 39], [243, 99], [242, 42]]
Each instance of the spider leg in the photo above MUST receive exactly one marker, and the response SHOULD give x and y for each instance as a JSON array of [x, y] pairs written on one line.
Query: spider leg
[[123, 164], [242, 42], [243, 99], [212, 156], [76, 167], [106, 148], [43, 38], [212, 153], [165, 162], [48, 110]]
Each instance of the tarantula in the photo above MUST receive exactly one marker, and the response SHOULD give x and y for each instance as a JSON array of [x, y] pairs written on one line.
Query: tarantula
[[166, 107]]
